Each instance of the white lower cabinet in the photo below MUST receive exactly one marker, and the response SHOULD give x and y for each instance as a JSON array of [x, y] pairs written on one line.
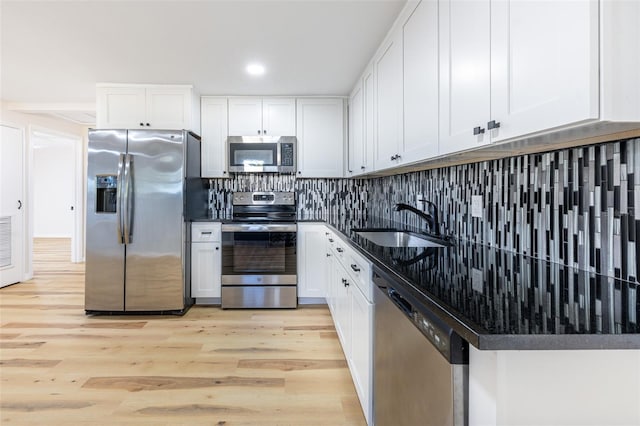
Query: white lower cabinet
[[205, 260], [312, 274], [351, 304]]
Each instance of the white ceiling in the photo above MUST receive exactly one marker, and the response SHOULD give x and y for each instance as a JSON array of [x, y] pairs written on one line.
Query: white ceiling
[[56, 51]]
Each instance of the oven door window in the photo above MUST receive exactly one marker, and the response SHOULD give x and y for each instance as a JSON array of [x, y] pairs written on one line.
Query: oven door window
[[253, 155], [264, 253]]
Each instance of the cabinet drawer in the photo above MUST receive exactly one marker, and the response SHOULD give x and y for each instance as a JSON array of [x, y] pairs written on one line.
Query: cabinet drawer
[[360, 271], [205, 232]]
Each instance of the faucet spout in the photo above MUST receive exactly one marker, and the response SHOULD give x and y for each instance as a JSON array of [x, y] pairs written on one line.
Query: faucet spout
[[431, 218]]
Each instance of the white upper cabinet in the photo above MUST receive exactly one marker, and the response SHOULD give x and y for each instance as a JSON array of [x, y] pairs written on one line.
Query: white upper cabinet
[[511, 68], [389, 105], [464, 74], [132, 106], [356, 131], [279, 116], [361, 126], [544, 65], [214, 136], [251, 116], [320, 132], [369, 126], [420, 76]]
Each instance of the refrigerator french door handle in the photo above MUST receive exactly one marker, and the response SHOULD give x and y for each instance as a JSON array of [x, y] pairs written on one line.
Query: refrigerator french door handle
[[119, 200], [127, 199]]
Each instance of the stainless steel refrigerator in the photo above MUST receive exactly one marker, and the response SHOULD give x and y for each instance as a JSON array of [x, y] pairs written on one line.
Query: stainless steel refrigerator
[[138, 189]]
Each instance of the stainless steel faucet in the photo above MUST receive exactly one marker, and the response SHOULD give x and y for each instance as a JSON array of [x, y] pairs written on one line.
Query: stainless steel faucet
[[431, 217]]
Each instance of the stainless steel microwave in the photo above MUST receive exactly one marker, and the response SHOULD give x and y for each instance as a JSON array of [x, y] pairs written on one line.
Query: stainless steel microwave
[[257, 154]]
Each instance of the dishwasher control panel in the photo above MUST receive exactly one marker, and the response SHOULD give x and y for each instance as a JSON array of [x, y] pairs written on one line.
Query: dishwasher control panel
[[436, 336]]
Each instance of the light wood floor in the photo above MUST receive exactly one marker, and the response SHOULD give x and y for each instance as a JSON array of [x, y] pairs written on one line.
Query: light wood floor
[[253, 367]]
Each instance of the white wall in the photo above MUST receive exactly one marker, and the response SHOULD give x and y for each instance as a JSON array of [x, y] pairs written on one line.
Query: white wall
[[539, 388], [53, 187]]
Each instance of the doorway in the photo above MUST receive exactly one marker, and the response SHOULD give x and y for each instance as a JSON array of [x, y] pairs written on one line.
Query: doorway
[[56, 192]]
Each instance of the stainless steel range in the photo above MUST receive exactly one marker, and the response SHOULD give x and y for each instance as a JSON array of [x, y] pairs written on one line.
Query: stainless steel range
[[259, 252]]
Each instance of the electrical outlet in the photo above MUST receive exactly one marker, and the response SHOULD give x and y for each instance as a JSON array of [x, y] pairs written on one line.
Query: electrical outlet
[[477, 280], [476, 206]]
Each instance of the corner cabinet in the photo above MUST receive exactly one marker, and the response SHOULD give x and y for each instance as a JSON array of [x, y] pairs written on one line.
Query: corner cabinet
[[214, 118], [321, 133], [133, 106], [255, 116], [312, 274], [206, 260]]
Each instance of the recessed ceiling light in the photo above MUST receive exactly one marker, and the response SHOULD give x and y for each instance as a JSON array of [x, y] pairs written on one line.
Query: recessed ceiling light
[[255, 69]]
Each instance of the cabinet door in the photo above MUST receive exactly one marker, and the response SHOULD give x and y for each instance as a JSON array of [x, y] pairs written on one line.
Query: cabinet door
[[544, 65], [205, 269], [279, 116], [362, 349], [320, 131], [356, 131], [342, 318], [11, 205], [214, 137], [420, 45], [168, 108], [464, 73], [245, 116], [369, 125], [120, 107], [388, 90], [312, 274]]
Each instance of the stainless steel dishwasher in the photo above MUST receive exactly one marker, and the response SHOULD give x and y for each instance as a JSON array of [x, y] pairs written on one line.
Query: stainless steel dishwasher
[[421, 366]]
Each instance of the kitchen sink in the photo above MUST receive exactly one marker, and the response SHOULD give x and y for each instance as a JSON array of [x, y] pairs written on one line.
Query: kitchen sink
[[396, 238]]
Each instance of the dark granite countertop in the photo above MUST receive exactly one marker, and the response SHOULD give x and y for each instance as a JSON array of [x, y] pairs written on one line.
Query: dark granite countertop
[[500, 300]]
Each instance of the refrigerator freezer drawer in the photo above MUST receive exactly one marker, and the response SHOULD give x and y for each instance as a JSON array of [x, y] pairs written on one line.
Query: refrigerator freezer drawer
[[259, 297]]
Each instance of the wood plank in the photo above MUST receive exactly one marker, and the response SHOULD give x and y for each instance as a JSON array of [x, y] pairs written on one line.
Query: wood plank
[[292, 364], [22, 362], [147, 383]]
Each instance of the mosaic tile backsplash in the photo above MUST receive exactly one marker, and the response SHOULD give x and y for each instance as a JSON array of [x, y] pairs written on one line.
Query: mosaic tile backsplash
[[317, 198], [576, 206]]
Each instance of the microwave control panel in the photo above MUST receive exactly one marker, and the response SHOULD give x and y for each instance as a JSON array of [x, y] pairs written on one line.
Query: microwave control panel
[[287, 154]]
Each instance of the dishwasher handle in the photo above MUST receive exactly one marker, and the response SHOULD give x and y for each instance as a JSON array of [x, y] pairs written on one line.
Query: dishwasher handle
[[402, 303]]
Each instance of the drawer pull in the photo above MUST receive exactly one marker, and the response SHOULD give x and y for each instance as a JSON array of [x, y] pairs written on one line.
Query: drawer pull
[[355, 268], [330, 240], [339, 250], [206, 233]]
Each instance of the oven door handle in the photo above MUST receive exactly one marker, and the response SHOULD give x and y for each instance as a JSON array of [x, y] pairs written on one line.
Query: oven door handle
[[259, 227]]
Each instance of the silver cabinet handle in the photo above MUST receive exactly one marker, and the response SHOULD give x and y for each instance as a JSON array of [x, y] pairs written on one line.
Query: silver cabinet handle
[[119, 200], [355, 268], [478, 130], [493, 124], [339, 250]]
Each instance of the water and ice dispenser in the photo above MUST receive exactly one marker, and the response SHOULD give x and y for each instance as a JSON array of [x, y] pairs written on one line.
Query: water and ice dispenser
[[106, 189]]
